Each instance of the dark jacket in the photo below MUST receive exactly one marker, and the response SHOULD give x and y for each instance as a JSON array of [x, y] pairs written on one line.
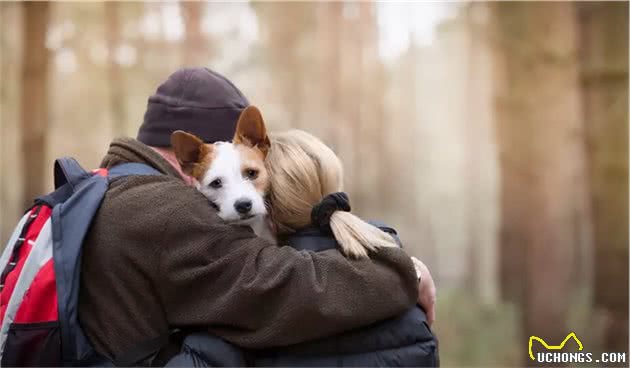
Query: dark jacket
[[403, 341], [157, 256]]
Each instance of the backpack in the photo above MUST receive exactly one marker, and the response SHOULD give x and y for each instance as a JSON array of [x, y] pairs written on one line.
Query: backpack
[[40, 270]]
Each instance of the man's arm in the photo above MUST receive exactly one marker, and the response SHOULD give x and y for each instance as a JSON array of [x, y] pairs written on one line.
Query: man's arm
[[256, 294]]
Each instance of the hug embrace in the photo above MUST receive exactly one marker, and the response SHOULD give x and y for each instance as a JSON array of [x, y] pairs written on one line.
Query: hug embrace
[[215, 243]]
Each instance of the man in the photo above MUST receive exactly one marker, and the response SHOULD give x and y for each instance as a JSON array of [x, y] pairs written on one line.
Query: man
[[157, 255]]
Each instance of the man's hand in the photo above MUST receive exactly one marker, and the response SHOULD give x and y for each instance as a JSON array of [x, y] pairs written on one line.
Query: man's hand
[[426, 290]]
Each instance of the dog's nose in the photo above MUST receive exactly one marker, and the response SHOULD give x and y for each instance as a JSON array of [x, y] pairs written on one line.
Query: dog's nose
[[243, 206]]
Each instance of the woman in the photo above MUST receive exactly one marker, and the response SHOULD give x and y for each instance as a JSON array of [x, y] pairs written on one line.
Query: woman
[[309, 212]]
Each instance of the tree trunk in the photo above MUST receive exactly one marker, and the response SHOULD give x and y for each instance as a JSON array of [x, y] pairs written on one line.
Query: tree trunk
[[480, 152], [114, 71], [195, 43], [332, 18], [284, 28], [375, 177], [34, 99], [604, 31], [474, 102], [352, 102], [541, 142]]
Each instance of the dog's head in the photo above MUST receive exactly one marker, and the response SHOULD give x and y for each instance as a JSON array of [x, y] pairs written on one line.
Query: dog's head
[[231, 175]]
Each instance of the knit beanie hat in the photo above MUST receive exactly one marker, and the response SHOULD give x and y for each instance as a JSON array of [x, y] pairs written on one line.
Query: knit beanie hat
[[196, 100]]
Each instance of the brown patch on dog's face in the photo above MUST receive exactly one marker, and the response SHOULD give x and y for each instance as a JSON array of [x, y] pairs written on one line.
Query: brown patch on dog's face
[[206, 156], [194, 156], [253, 167]]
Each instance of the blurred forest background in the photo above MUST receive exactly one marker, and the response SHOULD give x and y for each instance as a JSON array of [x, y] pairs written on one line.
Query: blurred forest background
[[493, 136]]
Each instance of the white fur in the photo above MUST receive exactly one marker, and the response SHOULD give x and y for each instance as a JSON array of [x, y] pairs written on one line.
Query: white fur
[[261, 226], [226, 166]]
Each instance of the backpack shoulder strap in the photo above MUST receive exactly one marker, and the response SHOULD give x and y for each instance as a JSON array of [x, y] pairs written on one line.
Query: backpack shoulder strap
[[132, 168], [78, 196], [71, 221], [68, 170]]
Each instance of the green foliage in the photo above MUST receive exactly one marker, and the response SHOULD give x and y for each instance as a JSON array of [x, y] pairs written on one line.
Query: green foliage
[[474, 334]]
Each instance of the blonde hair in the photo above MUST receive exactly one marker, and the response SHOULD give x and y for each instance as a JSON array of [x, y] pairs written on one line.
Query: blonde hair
[[303, 170]]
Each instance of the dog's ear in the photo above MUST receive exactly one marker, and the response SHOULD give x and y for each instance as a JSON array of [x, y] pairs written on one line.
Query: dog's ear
[[250, 130], [189, 150]]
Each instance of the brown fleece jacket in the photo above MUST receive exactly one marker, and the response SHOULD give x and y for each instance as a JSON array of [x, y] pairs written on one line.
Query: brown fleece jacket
[[157, 256]]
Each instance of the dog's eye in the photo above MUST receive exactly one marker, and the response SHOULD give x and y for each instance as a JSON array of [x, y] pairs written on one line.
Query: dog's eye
[[215, 184], [251, 174]]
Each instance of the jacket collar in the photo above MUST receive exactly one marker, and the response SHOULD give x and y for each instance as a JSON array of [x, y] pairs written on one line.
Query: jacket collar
[[123, 150], [309, 238]]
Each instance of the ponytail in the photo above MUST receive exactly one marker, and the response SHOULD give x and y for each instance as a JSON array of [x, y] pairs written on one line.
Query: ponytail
[[356, 237], [303, 172]]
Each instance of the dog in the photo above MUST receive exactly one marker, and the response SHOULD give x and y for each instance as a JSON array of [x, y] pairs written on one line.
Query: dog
[[231, 175]]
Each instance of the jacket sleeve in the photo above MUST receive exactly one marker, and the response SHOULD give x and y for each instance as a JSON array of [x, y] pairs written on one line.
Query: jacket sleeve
[[257, 295]]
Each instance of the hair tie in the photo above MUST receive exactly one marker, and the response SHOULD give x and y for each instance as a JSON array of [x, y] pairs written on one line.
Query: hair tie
[[321, 213]]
